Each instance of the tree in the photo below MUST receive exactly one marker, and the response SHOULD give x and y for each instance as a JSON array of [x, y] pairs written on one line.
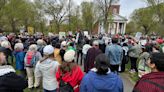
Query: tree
[[88, 15], [17, 13], [58, 10], [104, 8], [158, 8], [144, 19]]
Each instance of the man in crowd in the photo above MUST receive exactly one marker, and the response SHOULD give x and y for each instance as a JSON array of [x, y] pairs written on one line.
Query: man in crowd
[[91, 55], [115, 54], [154, 81]]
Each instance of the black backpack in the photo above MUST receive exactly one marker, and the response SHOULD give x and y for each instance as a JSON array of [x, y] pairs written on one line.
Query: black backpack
[[65, 86]]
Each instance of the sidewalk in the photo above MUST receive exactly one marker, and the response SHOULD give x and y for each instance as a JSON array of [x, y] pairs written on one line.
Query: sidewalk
[[128, 85]]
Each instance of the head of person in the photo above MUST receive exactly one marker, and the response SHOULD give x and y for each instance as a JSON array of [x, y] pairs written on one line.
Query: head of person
[[57, 46], [95, 44], [115, 40], [2, 56], [156, 62], [102, 64], [40, 42], [63, 44], [48, 52], [68, 64], [54, 43], [33, 47], [5, 44], [18, 47]]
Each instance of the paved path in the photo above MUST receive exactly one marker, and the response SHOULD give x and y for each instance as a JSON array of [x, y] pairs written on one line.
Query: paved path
[[128, 85]]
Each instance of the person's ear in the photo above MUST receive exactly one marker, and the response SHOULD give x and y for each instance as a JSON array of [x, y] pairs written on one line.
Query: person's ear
[[152, 66]]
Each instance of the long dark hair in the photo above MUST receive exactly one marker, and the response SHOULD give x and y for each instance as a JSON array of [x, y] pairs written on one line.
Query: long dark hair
[[67, 67], [102, 64]]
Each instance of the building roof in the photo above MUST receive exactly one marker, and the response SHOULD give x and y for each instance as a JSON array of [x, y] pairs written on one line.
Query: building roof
[[118, 18], [115, 18]]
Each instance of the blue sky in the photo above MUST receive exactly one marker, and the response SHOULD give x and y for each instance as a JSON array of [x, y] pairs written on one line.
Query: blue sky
[[127, 6]]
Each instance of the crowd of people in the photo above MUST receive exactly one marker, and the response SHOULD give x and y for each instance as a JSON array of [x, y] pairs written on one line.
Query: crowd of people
[[29, 61]]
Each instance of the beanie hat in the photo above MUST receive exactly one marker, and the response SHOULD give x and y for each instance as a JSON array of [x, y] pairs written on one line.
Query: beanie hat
[[69, 56], [48, 50]]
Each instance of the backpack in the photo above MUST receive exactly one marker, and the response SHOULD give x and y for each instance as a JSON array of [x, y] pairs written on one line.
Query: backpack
[[65, 86], [30, 59]]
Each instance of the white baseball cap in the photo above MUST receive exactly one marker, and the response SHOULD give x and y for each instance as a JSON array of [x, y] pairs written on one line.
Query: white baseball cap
[[48, 50]]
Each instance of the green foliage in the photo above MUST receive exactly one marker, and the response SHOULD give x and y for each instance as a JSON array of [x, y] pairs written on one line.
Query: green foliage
[[88, 15], [149, 19], [18, 13]]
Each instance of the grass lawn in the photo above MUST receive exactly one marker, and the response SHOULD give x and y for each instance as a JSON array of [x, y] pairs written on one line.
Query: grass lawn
[[133, 76]]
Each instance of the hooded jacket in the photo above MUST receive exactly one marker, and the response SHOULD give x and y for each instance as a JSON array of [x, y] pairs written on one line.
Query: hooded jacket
[[152, 82], [47, 70], [92, 82], [74, 78], [19, 57], [9, 81]]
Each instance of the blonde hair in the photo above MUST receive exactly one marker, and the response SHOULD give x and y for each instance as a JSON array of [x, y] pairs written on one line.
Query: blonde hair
[[19, 46], [33, 47], [5, 44], [40, 42]]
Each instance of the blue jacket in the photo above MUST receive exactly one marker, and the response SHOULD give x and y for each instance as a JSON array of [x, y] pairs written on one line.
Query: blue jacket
[[114, 53], [19, 57], [93, 82]]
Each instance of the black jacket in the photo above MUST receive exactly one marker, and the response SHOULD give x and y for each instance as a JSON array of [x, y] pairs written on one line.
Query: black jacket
[[10, 82]]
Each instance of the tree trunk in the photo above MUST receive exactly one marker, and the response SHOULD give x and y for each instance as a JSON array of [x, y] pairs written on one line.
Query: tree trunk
[[13, 26]]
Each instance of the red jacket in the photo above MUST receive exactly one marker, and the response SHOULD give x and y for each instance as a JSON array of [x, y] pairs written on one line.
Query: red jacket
[[74, 78], [152, 82]]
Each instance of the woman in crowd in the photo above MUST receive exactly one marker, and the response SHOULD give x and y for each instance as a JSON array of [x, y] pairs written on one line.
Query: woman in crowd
[[31, 58], [46, 69], [100, 78], [70, 72], [57, 55], [63, 49], [142, 66], [19, 57], [9, 81], [40, 44], [6, 44]]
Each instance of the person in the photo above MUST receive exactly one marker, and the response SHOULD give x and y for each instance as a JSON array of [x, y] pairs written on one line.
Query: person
[[70, 72], [142, 65], [19, 58], [31, 58], [6, 44], [40, 45], [85, 49], [115, 54], [47, 68], [152, 82], [100, 78], [63, 49], [133, 54], [91, 55], [57, 55], [9, 81], [125, 57]]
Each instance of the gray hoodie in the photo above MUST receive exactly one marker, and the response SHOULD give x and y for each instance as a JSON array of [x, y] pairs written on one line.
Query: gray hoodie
[[47, 70]]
